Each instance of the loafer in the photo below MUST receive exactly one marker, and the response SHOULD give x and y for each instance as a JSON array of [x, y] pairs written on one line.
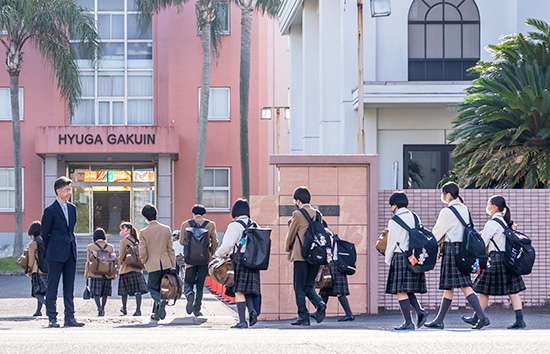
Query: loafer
[[155, 317], [253, 318], [346, 318], [162, 309], [189, 306], [37, 314], [101, 313], [73, 323], [321, 312], [240, 325], [137, 313], [123, 310], [53, 324], [300, 322], [421, 318], [482, 323], [197, 313], [405, 327], [471, 320], [517, 325], [435, 325]]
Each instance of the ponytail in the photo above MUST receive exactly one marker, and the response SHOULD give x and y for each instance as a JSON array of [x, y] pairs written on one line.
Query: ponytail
[[500, 203], [452, 189], [133, 231]]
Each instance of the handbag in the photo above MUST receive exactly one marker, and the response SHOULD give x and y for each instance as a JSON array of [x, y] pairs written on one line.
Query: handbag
[[323, 279], [222, 271], [382, 242], [86, 295]]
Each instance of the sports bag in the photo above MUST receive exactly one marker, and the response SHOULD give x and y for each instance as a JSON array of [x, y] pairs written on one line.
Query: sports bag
[[423, 249], [23, 261], [257, 246], [519, 256], [171, 287], [222, 271], [323, 279], [131, 257], [317, 241], [196, 250], [344, 256], [41, 256], [472, 256], [103, 262]]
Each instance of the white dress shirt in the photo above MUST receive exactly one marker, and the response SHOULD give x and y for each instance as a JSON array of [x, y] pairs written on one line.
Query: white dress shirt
[[398, 237], [493, 230], [231, 237], [448, 225], [65, 209]]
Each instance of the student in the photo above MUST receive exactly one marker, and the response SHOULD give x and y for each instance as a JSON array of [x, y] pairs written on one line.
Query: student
[[451, 230], [100, 285], [195, 275], [156, 252], [131, 281], [401, 280], [304, 273], [497, 280], [247, 281], [38, 267]]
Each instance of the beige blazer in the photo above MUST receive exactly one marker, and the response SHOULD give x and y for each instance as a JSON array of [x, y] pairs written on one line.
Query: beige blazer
[[296, 231], [156, 248], [92, 247], [212, 234], [124, 268]]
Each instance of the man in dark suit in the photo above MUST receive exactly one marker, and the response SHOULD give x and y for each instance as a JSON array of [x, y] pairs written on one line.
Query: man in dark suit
[[58, 223]]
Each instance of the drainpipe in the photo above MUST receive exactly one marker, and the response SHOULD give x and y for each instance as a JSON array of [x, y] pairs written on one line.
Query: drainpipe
[[360, 108]]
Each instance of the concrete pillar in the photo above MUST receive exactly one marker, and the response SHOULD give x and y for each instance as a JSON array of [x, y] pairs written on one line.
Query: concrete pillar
[[296, 91], [50, 175], [311, 74], [371, 130], [164, 189]]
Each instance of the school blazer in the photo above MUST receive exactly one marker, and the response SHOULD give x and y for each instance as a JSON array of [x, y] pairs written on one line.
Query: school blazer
[[89, 255], [212, 234], [124, 268], [59, 238], [296, 231], [156, 249]]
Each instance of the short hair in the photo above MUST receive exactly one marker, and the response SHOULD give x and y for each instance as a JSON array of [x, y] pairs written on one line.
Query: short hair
[[34, 229], [198, 209], [99, 234], [61, 182], [149, 212], [241, 207], [302, 194], [399, 199]]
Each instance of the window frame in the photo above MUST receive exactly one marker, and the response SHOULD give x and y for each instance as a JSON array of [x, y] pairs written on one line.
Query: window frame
[[2, 188], [444, 163], [214, 188], [21, 104], [216, 118]]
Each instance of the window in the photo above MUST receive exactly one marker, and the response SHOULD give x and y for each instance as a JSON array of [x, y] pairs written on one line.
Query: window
[[223, 20], [444, 39], [426, 165], [119, 89], [216, 189], [219, 106], [7, 189], [5, 103]]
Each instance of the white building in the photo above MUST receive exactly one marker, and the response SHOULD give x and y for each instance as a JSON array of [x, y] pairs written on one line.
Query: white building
[[414, 77]]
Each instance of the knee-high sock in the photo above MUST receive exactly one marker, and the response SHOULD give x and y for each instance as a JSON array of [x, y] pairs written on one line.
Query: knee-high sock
[[241, 309], [103, 301], [98, 303], [345, 304], [406, 310], [414, 303], [39, 302], [519, 315], [474, 302], [445, 305], [124, 301], [138, 302], [249, 303]]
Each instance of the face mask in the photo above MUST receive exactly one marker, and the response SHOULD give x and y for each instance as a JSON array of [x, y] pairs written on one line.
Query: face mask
[[488, 211], [122, 233], [443, 199]]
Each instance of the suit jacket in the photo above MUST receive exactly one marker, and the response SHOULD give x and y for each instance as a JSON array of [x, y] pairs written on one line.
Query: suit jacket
[[89, 255], [156, 249], [296, 230], [124, 268], [59, 238], [211, 227]]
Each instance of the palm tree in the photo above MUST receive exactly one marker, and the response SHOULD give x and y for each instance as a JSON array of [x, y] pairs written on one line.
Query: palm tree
[[45, 24], [503, 129], [247, 8]]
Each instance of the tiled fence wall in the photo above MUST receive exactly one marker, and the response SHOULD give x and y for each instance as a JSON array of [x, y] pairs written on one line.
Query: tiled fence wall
[[530, 210]]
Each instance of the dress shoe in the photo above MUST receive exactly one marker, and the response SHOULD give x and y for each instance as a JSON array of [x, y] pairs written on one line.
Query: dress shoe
[[37, 314], [405, 327], [321, 312], [240, 325], [197, 313], [252, 318], [517, 325], [162, 309], [435, 325], [101, 313], [482, 323], [123, 310], [189, 306], [347, 318], [155, 317], [421, 318], [72, 323], [313, 315], [300, 322], [469, 320], [53, 324], [137, 313]]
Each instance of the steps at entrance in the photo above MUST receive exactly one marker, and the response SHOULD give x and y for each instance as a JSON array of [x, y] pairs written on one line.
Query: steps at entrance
[[83, 241]]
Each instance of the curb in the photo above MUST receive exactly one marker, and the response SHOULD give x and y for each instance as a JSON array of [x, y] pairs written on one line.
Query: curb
[[12, 272]]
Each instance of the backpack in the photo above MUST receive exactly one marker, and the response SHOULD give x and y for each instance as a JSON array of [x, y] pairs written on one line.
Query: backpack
[[171, 287], [41, 256], [423, 249], [472, 256], [519, 256], [258, 246], [317, 241], [344, 256], [131, 258], [23, 261], [103, 262], [196, 250], [222, 271]]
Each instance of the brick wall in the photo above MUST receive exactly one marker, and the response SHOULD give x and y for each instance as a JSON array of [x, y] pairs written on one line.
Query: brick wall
[[530, 213]]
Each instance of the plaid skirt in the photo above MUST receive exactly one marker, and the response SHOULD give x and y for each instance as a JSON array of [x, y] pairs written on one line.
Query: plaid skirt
[[132, 283], [497, 280], [39, 284], [402, 280], [450, 276], [339, 283], [101, 286], [247, 281]]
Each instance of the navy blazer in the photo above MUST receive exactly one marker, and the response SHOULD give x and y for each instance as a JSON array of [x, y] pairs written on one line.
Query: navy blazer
[[59, 238]]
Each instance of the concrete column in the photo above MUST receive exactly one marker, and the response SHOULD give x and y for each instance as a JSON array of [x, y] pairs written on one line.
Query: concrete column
[[296, 143], [311, 74], [50, 175], [164, 179], [371, 130]]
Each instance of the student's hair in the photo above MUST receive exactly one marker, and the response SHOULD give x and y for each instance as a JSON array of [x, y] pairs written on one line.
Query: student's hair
[[399, 199], [149, 212], [500, 203], [61, 182], [453, 189], [198, 209], [133, 232], [34, 229], [241, 207], [99, 234], [302, 194]]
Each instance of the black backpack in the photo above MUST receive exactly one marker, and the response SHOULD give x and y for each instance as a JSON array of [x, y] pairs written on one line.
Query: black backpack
[[258, 246], [422, 245], [41, 255], [472, 249], [317, 241], [196, 250], [519, 256], [344, 256]]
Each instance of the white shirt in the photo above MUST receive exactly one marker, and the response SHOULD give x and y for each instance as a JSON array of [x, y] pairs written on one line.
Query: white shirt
[[231, 237], [178, 248], [398, 237], [493, 230], [448, 225], [65, 209]]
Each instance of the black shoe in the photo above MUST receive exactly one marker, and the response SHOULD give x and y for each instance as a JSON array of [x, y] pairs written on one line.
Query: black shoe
[[197, 313], [252, 318], [300, 322], [469, 320], [162, 309], [313, 315], [405, 327], [101, 313], [240, 325], [517, 325], [123, 310], [435, 325], [189, 306], [37, 314], [53, 324], [321, 312], [482, 323], [155, 317], [346, 318], [137, 313], [421, 318], [72, 323]]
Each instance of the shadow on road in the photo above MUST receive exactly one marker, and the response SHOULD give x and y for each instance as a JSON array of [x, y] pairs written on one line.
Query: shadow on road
[[176, 322]]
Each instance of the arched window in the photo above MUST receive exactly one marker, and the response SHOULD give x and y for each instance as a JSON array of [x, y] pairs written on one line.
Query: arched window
[[443, 39]]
